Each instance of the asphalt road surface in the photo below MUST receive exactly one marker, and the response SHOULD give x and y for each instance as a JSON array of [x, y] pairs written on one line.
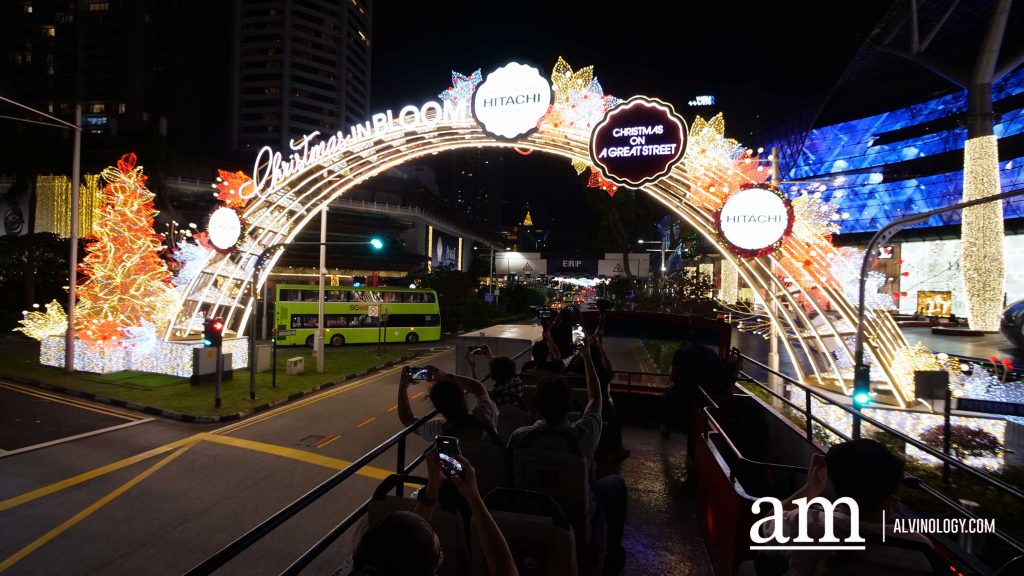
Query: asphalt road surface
[[99, 490]]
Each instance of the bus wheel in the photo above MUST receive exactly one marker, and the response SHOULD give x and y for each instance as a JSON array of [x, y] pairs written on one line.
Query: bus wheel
[[337, 340], [309, 340], [412, 338]]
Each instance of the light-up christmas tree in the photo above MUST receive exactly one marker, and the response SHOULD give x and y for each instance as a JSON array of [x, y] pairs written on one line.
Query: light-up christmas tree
[[127, 283]]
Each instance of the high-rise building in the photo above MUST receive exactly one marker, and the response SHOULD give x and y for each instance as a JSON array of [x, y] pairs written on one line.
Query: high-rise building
[[476, 185], [302, 66]]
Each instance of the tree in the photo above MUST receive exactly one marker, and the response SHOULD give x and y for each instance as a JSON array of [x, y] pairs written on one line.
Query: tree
[[127, 283], [965, 441], [688, 292]]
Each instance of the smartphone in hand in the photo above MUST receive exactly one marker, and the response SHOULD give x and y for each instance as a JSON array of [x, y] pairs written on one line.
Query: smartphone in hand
[[418, 373], [447, 450]]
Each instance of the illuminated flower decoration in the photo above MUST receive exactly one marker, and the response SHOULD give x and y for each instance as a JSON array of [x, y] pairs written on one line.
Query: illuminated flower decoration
[[845, 272], [462, 88], [598, 181], [39, 325], [813, 220], [230, 186], [580, 166], [565, 81], [140, 339], [203, 240], [707, 138]]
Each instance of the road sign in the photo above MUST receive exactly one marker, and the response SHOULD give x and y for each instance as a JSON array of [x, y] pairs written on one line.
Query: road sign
[[617, 269], [373, 311], [527, 268]]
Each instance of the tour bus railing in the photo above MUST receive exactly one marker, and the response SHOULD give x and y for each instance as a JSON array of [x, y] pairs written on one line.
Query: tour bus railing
[[810, 420], [255, 534]]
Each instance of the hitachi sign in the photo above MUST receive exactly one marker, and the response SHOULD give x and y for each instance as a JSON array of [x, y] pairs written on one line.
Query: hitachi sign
[[752, 218], [511, 100]]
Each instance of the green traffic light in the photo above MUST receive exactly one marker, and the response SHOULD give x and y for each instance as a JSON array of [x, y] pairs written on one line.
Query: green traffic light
[[377, 243], [862, 398]]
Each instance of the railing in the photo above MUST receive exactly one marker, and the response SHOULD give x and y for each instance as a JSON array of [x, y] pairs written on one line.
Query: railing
[[243, 542], [623, 380], [810, 419]]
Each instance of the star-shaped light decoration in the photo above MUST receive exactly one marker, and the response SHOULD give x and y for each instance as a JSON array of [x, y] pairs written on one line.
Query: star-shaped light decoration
[[579, 102], [230, 186], [462, 88], [598, 181]]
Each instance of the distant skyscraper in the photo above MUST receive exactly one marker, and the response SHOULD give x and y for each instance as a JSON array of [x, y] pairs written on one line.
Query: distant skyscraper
[[477, 185], [302, 66]]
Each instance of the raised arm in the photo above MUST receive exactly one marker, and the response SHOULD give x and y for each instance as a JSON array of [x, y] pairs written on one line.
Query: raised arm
[[593, 382], [404, 408], [553, 350], [469, 385], [496, 552]]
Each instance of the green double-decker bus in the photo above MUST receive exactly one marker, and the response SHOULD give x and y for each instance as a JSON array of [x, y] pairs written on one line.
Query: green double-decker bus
[[354, 315]]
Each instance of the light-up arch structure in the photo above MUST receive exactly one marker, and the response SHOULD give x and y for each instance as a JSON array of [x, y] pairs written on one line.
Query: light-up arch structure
[[815, 329]]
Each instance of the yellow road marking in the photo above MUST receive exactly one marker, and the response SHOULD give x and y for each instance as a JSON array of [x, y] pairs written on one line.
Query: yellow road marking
[[296, 454], [328, 441], [69, 401], [365, 422], [88, 510], [317, 398], [216, 436], [85, 476]]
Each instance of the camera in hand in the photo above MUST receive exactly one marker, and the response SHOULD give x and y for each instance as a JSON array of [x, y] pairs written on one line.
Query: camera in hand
[[447, 450], [418, 373], [543, 313]]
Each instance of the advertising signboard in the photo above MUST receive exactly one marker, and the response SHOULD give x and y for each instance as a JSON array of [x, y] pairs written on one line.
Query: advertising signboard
[[638, 142]]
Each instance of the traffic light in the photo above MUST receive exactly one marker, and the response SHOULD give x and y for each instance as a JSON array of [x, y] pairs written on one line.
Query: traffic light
[[387, 243], [213, 332], [862, 385]]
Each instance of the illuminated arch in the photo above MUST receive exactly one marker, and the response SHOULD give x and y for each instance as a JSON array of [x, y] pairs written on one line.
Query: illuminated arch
[[224, 286]]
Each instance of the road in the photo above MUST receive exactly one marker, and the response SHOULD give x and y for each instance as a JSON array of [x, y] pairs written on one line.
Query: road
[[90, 489]]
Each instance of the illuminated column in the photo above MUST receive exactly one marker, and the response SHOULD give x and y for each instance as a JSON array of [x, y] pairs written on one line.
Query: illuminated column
[[730, 282], [982, 235]]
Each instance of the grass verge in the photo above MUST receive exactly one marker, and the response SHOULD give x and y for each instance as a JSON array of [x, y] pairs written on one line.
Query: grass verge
[[19, 360]]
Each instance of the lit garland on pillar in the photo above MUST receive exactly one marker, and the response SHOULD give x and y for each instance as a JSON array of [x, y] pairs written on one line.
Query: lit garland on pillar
[[981, 232], [730, 282]]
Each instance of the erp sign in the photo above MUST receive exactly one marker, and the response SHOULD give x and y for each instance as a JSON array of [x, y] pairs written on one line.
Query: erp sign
[[638, 142], [572, 266]]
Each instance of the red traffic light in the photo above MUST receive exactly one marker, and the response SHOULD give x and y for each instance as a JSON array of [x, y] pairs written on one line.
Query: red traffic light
[[217, 325]]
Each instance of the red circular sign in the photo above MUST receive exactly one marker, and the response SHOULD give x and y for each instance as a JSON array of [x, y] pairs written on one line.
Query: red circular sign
[[638, 141]]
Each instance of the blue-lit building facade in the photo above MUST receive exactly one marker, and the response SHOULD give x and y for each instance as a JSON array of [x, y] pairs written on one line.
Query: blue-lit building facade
[[910, 160]]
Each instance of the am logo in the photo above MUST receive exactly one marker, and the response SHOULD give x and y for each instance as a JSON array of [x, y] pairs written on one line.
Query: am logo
[[768, 532]]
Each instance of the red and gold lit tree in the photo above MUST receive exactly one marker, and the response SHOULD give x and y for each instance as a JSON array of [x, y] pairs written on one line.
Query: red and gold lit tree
[[127, 284]]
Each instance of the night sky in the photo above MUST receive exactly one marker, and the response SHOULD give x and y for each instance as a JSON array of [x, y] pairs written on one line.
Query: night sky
[[764, 63]]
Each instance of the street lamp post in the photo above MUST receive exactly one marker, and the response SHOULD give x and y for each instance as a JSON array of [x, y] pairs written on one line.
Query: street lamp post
[[76, 166]]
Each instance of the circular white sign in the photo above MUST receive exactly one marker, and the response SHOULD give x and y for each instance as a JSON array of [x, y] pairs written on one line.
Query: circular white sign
[[224, 228], [754, 219], [512, 100]]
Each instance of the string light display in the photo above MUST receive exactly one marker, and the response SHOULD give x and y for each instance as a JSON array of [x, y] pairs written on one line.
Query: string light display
[[981, 230], [53, 205], [192, 258], [462, 88], [172, 358], [730, 282], [39, 325], [597, 181], [845, 270], [126, 282], [811, 303], [229, 186]]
